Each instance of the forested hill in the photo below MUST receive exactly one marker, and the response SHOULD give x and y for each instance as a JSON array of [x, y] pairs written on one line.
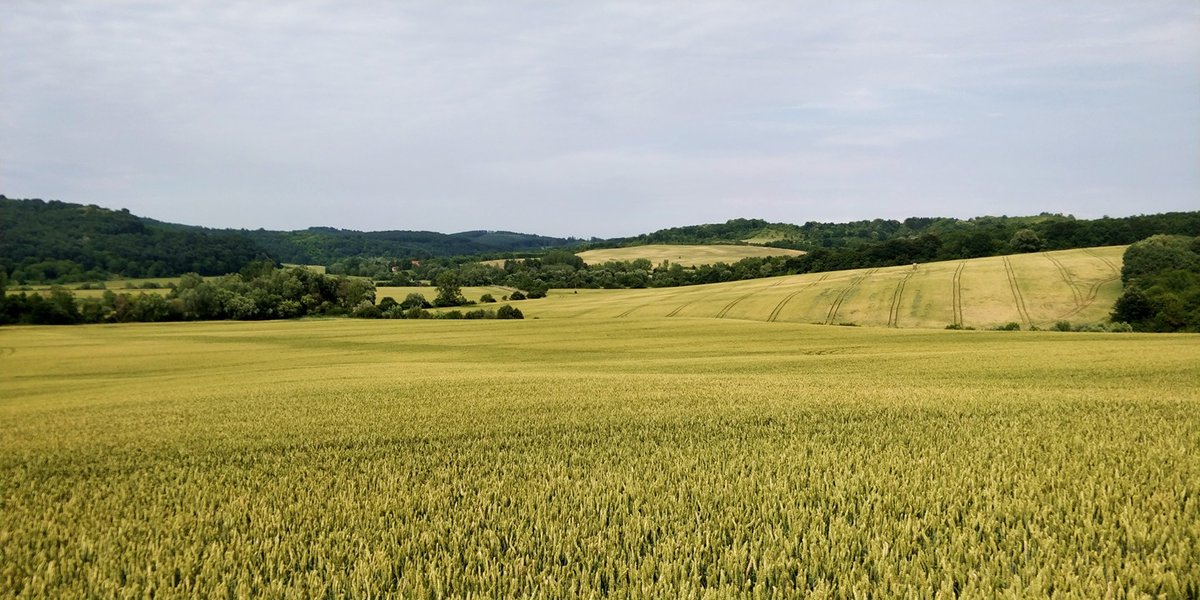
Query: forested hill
[[325, 246], [937, 236], [62, 242]]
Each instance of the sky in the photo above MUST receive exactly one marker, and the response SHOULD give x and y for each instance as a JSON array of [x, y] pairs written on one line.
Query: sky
[[599, 118]]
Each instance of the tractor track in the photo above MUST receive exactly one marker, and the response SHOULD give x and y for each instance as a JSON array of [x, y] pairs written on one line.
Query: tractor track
[[734, 302], [630, 311], [679, 308], [1094, 289], [1066, 277], [1016, 292], [837, 302], [779, 307], [894, 311], [957, 297], [1110, 264]]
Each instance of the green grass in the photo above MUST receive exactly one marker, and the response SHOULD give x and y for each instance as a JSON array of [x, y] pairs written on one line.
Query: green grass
[[1036, 289], [631, 457], [688, 256]]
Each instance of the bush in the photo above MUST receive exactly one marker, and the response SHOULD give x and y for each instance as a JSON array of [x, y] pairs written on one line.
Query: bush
[[415, 301], [517, 295], [509, 312], [366, 310], [486, 298], [1062, 326], [1010, 326]]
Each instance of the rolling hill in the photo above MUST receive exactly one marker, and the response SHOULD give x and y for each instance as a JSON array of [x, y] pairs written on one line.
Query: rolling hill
[[682, 254], [1036, 289]]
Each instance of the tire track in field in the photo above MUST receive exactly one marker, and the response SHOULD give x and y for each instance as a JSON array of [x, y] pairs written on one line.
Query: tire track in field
[[630, 311], [1062, 271], [956, 285], [679, 308], [837, 302], [1018, 299], [779, 307], [1110, 264], [733, 303], [1094, 289], [894, 312]]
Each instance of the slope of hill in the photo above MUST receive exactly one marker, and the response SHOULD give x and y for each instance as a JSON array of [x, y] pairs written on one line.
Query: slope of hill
[[325, 245], [955, 238], [59, 241], [1037, 289], [682, 254]]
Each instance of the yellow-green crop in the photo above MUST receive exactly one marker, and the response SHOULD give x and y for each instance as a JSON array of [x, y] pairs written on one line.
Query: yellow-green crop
[[677, 458]]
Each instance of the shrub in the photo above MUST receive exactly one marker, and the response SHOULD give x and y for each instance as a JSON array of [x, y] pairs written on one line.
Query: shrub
[[1062, 326], [1010, 326], [487, 298], [366, 310], [415, 301], [509, 312], [517, 295]]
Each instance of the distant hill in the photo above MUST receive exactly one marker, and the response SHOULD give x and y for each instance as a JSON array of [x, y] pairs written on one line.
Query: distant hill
[[955, 238], [684, 254], [325, 246], [63, 242], [58, 241], [53, 241], [1036, 289]]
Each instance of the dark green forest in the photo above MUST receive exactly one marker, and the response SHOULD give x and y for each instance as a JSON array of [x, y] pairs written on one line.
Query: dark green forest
[[61, 242], [326, 246], [955, 238], [58, 242], [1161, 281]]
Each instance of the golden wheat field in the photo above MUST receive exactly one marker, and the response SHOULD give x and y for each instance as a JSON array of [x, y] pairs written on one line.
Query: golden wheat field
[[683, 254], [1032, 290], [634, 457]]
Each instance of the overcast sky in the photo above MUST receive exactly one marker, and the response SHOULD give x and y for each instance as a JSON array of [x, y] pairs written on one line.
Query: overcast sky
[[599, 118]]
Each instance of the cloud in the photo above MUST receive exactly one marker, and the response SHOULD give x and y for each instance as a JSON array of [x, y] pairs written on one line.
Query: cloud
[[455, 116]]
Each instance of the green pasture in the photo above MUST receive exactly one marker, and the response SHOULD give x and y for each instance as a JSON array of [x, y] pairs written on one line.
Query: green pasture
[[686, 255], [676, 457], [1037, 289]]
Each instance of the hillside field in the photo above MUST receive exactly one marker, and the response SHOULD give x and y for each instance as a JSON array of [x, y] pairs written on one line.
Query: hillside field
[[675, 457], [688, 256], [1036, 289]]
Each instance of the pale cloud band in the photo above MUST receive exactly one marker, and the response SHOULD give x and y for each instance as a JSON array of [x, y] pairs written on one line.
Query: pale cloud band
[[599, 118]]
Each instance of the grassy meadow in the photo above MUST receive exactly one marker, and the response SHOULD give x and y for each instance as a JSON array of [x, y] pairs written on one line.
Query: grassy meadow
[[1036, 289], [686, 255], [633, 457]]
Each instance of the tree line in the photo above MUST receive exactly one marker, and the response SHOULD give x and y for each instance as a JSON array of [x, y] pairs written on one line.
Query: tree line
[[1161, 285], [986, 237], [259, 291], [58, 242]]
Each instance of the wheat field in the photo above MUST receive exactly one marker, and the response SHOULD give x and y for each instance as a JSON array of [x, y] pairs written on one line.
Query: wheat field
[[634, 457], [1033, 290], [684, 254]]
